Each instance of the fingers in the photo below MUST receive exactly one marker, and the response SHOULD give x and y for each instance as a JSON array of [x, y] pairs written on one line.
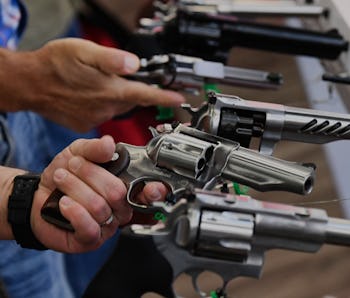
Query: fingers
[[153, 191], [119, 62], [146, 95], [112, 189], [97, 190], [108, 60], [96, 150], [87, 231]]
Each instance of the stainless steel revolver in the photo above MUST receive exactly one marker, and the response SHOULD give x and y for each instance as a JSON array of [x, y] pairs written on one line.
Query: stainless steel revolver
[[183, 157], [229, 234], [188, 73], [242, 120]]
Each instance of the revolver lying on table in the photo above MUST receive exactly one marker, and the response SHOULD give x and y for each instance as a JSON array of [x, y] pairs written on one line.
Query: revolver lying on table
[[179, 72], [229, 235], [183, 157], [242, 120]]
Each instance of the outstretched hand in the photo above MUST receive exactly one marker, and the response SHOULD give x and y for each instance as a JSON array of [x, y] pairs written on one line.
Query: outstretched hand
[[78, 83]]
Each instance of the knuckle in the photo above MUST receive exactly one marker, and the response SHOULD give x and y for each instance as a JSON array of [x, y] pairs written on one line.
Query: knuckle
[[99, 207], [91, 236], [116, 193]]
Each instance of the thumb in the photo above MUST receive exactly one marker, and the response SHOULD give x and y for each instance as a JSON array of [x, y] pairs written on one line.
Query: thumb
[[108, 60]]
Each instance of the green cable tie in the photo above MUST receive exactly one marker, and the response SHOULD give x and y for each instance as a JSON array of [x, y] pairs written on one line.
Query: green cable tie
[[211, 87], [164, 113], [240, 189], [213, 294], [159, 216]]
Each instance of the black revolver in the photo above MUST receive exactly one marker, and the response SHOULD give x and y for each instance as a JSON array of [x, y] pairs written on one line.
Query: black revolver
[[211, 36], [183, 157]]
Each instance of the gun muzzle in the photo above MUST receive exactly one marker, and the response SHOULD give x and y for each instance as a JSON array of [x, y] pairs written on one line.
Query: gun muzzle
[[265, 173], [338, 231]]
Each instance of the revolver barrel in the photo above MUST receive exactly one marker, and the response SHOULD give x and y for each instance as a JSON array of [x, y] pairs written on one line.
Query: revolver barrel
[[226, 159], [265, 173], [315, 126], [338, 231]]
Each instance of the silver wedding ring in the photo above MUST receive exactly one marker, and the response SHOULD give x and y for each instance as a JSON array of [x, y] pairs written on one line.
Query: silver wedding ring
[[108, 221]]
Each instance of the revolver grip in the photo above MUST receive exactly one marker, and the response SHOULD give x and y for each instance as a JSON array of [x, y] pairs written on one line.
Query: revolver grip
[[51, 211]]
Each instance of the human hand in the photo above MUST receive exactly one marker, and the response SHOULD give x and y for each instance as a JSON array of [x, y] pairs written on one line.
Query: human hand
[[79, 84], [92, 194]]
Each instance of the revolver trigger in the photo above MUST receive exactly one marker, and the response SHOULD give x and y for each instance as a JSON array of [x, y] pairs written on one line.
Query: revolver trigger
[[136, 187]]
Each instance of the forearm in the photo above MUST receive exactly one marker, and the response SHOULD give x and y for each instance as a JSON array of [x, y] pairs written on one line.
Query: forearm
[[6, 184], [18, 74]]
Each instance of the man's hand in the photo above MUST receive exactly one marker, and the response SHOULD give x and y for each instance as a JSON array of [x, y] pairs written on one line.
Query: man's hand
[[76, 83], [92, 195]]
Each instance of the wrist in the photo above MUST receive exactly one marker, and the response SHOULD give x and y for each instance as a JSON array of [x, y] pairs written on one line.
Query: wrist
[[7, 176], [19, 210]]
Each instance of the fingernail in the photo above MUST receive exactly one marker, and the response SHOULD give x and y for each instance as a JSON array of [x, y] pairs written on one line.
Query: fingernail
[[131, 64], [65, 201], [74, 164], [60, 174], [177, 98]]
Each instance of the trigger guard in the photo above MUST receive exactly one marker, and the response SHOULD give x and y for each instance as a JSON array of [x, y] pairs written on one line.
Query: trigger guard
[[136, 187], [194, 276], [195, 279]]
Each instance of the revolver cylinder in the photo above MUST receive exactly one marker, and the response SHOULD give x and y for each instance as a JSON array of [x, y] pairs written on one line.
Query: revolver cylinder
[[182, 154]]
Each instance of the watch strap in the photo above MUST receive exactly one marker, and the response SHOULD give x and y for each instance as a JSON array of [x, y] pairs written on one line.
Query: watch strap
[[19, 210]]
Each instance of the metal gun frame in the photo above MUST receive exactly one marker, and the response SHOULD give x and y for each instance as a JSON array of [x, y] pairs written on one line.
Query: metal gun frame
[[242, 120], [179, 72], [229, 234]]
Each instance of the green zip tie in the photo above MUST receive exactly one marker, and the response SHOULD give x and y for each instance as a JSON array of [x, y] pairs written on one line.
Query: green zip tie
[[211, 87], [164, 113], [213, 294], [159, 216], [240, 189]]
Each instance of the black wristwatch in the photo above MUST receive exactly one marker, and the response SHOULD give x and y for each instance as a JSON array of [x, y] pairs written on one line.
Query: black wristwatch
[[19, 210]]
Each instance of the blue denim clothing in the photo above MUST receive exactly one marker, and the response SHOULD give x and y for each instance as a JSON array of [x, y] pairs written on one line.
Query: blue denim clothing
[[81, 268], [30, 273], [31, 149], [6, 143]]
